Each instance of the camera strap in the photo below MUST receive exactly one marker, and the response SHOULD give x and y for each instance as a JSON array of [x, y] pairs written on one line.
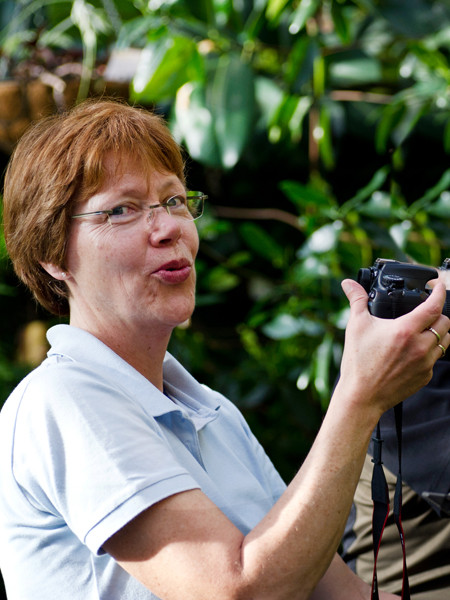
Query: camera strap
[[380, 498]]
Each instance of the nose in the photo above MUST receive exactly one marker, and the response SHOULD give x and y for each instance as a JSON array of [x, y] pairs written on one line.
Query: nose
[[164, 227]]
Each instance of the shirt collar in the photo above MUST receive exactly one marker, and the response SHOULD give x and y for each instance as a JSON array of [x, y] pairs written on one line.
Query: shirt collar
[[189, 397]]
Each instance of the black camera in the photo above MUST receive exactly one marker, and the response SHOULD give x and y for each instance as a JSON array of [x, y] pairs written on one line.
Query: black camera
[[395, 288]]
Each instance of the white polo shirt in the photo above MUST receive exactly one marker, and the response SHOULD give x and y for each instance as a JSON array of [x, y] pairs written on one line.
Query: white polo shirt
[[87, 443]]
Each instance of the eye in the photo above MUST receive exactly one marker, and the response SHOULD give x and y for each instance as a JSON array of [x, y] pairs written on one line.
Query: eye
[[122, 214], [119, 211], [176, 202]]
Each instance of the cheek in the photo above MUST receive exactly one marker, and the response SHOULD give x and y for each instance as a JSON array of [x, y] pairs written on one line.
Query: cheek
[[193, 239]]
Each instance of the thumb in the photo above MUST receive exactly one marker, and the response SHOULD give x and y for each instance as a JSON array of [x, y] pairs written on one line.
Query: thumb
[[431, 309], [356, 294]]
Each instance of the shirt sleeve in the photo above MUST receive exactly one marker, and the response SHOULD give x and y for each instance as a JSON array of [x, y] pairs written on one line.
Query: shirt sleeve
[[85, 452]]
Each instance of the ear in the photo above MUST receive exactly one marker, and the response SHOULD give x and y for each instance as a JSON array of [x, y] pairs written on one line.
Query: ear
[[55, 271]]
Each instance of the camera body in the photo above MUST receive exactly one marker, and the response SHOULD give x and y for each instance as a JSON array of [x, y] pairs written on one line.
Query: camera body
[[396, 288]]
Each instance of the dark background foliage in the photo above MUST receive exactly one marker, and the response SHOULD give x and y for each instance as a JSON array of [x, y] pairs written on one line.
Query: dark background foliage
[[320, 131]]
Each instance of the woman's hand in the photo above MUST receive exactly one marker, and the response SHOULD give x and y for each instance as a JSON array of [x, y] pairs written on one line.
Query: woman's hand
[[387, 360]]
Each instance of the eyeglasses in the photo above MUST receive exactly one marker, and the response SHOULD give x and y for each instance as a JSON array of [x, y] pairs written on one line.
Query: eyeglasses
[[189, 208]]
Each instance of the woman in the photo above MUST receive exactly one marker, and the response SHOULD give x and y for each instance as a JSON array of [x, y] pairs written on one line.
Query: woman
[[122, 477]]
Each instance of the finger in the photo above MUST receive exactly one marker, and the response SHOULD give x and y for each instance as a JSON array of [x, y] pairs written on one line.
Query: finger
[[356, 294], [429, 311]]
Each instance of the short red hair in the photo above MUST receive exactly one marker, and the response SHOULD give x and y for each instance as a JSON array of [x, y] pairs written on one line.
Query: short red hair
[[59, 161]]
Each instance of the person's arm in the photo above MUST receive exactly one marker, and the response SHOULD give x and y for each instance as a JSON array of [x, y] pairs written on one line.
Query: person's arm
[[185, 547], [340, 583]]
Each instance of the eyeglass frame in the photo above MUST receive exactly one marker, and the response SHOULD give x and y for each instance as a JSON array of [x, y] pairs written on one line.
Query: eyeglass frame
[[189, 195]]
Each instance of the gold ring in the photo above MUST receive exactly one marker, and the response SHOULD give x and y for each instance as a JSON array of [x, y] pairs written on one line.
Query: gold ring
[[442, 349], [438, 337]]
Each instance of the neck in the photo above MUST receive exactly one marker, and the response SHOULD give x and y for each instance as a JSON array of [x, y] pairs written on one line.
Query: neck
[[143, 351]]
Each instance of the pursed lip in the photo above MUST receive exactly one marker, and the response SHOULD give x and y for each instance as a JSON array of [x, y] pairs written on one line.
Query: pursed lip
[[174, 271]]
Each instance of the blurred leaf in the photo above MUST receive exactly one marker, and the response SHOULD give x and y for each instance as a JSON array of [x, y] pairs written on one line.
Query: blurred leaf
[[340, 22], [133, 33], [442, 185], [305, 10], [268, 96], [321, 369], [262, 243], [194, 124], [374, 184], [325, 138], [220, 279], [304, 196], [164, 66], [322, 240], [379, 205], [233, 106], [441, 208], [275, 8], [421, 18], [286, 326], [353, 67]]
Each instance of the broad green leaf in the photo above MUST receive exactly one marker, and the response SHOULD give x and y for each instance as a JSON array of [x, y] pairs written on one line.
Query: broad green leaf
[[261, 242], [303, 196], [300, 62], [202, 10], [274, 9], [134, 33], [233, 107], [321, 369], [441, 208], [220, 279], [324, 137], [268, 96], [322, 240], [419, 19], [194, 124], [400, 232], [164, 66], [354, 68], [442, 185], [285, 326], [341, 25], [410, 118], [391, 116], [288, 117], [374, 184], [305, 10], [378, 206]]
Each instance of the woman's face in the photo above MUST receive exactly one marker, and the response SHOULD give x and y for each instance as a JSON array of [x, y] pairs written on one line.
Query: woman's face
[[131, 277]]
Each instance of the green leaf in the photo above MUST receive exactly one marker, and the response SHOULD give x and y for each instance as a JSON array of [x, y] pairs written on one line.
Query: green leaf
[[321, 369], [194, 124], [442, 185], [324, 141], [220, 279], [261, 242], [286, 326], [305, 196], [391, 116], [233, 107], [306, 9], [134, 33], [378, 206], [164, 66], [268, 96], [441, 208], [374, 184], [340, 23], [322, 240], [274, 9], [353, 68]]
